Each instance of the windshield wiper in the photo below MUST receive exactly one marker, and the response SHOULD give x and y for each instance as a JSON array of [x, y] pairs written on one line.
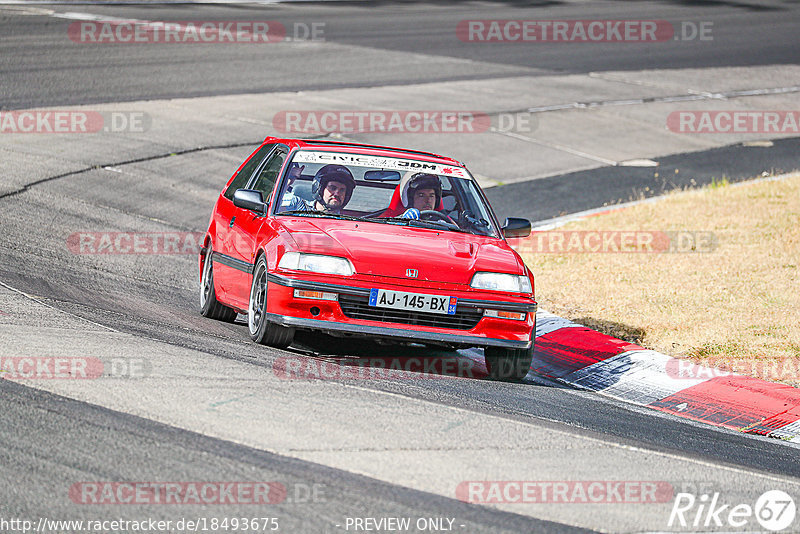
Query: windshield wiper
[[419, 223], [318, 213], [386, 219], [437, 225], [301, 212]]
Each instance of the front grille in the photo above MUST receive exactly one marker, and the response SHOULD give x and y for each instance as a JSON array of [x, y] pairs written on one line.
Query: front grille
[[356, 307]]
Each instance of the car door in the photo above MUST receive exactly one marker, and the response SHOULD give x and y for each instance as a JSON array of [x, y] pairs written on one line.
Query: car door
[[225, 270], [243, 235]]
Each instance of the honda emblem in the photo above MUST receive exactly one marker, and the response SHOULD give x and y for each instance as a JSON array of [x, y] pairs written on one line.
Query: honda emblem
[[412, 273]]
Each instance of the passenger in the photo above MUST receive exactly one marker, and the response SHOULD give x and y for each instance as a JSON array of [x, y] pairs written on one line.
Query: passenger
[[331, 189]]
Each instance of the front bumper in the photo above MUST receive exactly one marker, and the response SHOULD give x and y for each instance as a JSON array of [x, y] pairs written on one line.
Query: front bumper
[[328, 316]]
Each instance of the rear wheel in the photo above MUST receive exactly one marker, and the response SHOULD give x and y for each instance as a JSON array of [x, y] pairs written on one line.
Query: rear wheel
[[508, 364], [261, 330], [209, 305]]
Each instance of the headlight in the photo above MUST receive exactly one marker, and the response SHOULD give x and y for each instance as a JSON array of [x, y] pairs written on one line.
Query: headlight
[[512, 283], [316, 263]]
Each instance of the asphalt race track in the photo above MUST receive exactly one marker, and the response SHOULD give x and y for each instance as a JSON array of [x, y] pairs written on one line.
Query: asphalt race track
[[193, 401]]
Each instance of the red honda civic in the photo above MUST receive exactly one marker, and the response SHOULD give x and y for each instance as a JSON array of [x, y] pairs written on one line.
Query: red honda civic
[[360, 240]]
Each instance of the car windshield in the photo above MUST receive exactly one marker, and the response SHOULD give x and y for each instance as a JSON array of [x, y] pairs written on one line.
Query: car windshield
[[445, 196]]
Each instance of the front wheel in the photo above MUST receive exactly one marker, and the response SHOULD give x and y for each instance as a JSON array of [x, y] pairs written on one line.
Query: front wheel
[[508, 364], [209, 305], [261, 330]]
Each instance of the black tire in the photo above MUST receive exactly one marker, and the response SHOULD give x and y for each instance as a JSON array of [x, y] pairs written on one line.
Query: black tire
[[261, 330], [209, 305], [508, 364]]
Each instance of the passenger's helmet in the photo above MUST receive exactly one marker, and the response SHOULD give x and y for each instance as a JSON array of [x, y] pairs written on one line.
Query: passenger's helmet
[[332, 173], [421, 180]]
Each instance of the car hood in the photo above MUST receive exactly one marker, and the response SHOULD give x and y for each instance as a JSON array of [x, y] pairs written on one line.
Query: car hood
[[389, 250]]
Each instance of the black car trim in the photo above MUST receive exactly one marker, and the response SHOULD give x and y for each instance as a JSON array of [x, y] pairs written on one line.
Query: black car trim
[[315, 286], [279, 147], [499, 305], [364, 292], [411, 335], [228, 261]]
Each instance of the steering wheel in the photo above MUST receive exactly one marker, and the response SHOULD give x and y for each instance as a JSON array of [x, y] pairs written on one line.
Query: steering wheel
[[428, 215]]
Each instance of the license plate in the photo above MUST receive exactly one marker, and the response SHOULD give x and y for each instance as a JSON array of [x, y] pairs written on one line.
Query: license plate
[[400, 300]]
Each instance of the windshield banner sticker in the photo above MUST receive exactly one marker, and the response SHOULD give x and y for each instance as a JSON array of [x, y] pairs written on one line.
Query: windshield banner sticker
[[381, 162]]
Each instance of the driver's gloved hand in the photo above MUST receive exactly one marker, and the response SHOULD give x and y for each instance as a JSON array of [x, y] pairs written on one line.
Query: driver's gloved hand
[[410, 213]]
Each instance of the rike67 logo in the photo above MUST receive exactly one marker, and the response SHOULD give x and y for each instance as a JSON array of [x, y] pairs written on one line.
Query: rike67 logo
[[774, 511]]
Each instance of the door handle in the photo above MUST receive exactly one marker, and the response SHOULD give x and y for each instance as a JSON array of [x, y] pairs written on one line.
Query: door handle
[[230, 225]]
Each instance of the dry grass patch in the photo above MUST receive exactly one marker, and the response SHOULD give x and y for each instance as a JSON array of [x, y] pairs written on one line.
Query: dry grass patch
[[738, 303]]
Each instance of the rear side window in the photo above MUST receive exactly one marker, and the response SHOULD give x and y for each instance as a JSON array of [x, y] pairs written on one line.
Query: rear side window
[[241, 178], [269, 173]]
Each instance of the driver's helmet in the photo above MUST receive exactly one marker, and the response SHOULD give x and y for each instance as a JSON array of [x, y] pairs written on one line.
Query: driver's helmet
[[332, 173], [420, 180]]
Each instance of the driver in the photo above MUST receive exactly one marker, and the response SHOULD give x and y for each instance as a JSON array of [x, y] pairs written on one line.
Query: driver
[[331, 189], [422, 192]]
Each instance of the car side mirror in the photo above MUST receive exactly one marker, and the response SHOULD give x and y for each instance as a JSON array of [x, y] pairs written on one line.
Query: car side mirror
[[515, 227], [250, 199]]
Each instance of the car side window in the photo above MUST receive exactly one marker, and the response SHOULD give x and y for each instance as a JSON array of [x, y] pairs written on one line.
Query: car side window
[[269, 173], [243, 176]]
